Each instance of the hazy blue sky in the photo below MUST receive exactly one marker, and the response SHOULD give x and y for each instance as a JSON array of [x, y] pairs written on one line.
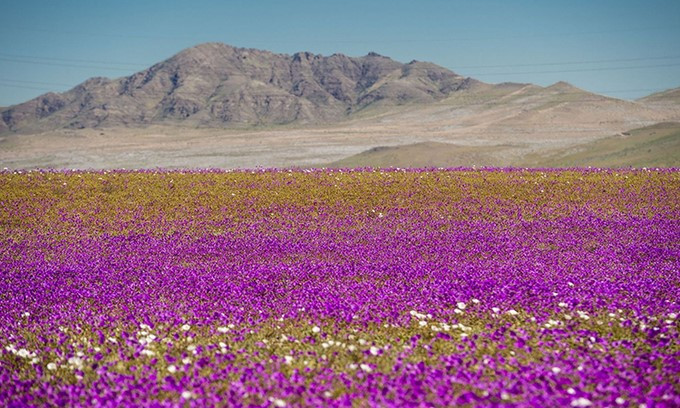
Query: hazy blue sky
[[622, 48]]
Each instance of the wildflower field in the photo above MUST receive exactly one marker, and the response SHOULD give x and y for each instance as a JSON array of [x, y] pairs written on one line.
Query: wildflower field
[[274, 288]]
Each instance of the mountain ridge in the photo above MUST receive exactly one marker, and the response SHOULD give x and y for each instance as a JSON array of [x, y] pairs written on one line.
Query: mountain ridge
[[215, 84]]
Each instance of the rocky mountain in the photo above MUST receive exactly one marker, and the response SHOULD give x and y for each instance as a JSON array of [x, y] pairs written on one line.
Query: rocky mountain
[[216, 84]]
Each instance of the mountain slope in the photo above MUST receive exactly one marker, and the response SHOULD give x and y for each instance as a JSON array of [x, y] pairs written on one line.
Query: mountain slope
[[670, 96], [215, 84], [422, 154], [651, 146]]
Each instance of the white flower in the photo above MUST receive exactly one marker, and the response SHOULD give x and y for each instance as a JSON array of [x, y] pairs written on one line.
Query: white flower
[[581, 402], [23, 353], [572, 285], [571, 391], [144, 326], [279, 402], [512, 312], [422, 323], [673, 315], [461, 305], [316, 329], [186, 394], [620, 401], [191, 347], [362, 342], [325, 345], [147, 352], [562, 304], [366, 367], [51, 366], [505, 396], [495, 309], [351, 347], [76, 362], [222, 344], [172, 369], [186, 327], [186, 360], [25, 314], [352, 366], [112, 340], [556, 370], [222, 329], [374, 350], [289, 359], [457, 311]]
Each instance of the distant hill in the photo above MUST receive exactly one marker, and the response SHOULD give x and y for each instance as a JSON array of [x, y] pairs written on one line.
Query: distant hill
[[423, 154], [219, 85], [651, 146], [670, 96]]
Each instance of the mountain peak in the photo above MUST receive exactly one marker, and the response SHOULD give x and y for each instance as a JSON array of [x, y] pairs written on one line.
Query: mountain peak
[[562, 86]]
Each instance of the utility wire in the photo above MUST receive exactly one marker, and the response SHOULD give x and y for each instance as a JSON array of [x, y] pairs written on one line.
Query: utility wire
[[477, 74], [37, 60], [36, 82], [663, 57], [345, 40], [56, 64], [31, 57], [577, 70]]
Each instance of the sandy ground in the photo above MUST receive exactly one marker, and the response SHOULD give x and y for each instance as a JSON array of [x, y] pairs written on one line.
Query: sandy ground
[[512, 128]]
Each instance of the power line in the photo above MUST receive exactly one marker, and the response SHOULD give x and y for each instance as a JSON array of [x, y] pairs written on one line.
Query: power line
[[573, 62], [33, 58], [25, 87], [56, 64], [30, 57], [598, 69], [576, 70], [36, 82], [349, 41]]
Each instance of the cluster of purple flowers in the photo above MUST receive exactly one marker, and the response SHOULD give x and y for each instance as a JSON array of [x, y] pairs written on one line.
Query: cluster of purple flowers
[[340, 288]]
